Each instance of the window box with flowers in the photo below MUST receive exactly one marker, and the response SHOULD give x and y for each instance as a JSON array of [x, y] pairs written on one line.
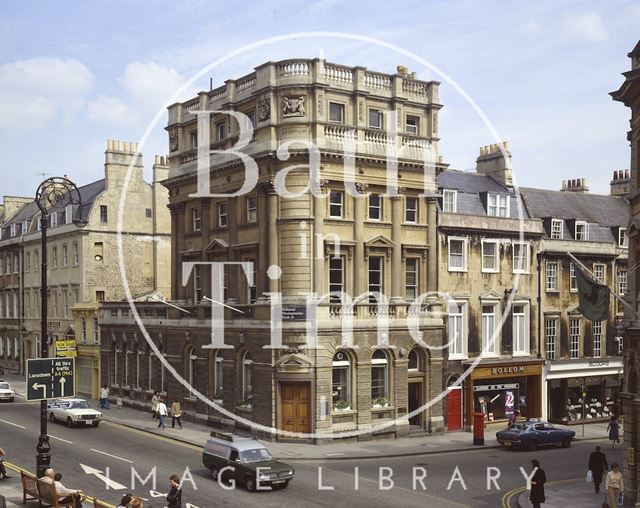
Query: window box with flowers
[[381, 402], [342, 405], [245, 403]]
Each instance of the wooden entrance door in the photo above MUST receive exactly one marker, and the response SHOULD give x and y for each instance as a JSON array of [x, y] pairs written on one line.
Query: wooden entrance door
[[454, 408], [296, 407], [415, 402]]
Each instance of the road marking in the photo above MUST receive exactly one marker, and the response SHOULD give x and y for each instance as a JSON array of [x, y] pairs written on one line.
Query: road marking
[[507, 499], [60, 439], [151, 435], [112, 456], [14, 424], [100, 476]]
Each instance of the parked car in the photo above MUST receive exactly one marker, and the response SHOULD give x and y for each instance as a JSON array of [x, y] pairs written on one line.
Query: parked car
[[534, 433], [6, 392], [73, 412], [244, 460]]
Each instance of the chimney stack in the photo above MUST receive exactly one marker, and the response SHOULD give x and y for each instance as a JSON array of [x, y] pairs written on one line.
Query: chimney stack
[[575, 185], [495, 160], [620, 185]]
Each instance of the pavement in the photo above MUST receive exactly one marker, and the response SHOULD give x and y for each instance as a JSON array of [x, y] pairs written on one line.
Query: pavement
[[567, 494]]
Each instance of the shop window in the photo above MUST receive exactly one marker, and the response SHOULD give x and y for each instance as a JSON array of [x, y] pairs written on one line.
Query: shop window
[[596, 328], [574, 338], [411, 279], [552, 275], [457, 329], [380, 378], [550, 333], [520, 316], [341, 381], [457, 254], [489, 345], [490, 255]]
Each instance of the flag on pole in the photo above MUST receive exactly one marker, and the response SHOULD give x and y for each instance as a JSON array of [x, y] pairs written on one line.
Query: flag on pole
[[593, 296]]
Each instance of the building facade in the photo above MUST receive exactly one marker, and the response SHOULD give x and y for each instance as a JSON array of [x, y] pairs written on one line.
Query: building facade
[[352, 377], [583, 370], [488, 243], [629, 95], [82, 262]]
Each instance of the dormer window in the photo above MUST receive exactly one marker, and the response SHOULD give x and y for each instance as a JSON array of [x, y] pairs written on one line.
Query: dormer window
[[582, 231], [556, 229], [498, 205], [449, 201], [623, 239]]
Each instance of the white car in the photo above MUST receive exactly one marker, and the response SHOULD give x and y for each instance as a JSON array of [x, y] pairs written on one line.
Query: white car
[[73, 412], [6, 392]]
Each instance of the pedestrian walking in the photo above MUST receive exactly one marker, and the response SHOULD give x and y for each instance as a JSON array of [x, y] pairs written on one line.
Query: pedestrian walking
[[174, 497], [614, 431], [3, 470], [104, 397], [125, 502], [537, 484], [154, 404], [176, 413], [514, 418], [162, 413], [598, 466], [614, 485]]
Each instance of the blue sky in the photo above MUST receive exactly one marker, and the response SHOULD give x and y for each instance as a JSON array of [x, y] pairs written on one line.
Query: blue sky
[[74, 74]]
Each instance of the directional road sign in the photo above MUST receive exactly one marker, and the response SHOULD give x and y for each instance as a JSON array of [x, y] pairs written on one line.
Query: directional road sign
[[50, 378]]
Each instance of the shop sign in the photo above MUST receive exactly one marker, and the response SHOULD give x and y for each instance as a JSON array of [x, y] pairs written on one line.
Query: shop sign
[[502, 371], [518, 369], [509, 402], [294, 313]]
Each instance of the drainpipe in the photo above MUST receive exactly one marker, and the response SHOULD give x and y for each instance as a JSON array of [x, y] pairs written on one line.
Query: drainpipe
[[539, 300]]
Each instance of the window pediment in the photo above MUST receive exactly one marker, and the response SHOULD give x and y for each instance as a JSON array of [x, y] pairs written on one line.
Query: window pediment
[[490, 295], [217, 244], [378, 243]]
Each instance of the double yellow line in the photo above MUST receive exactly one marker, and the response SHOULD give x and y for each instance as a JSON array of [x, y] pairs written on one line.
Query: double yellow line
[[507, 499], [90, 499]]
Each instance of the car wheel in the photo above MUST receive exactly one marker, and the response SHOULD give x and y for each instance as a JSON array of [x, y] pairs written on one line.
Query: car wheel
[[250, 484], [532, 445], [214, 473], [95, 424], [51, 417], [69, 422], [566, 442]]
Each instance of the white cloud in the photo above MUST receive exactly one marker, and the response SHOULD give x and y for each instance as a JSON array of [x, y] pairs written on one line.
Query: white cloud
[[587, 25], [109, 110], [34, 91], [149, 84]]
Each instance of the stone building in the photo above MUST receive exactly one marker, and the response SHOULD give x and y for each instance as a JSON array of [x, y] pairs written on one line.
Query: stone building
[[488, 242], [583, 356], [82, 262], [358, 380], [629, 95]]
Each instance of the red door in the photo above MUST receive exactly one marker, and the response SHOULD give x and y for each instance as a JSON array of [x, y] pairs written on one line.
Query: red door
[[454, 408]]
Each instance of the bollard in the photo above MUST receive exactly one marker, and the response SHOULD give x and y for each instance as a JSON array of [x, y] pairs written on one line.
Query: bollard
[[478, 429]]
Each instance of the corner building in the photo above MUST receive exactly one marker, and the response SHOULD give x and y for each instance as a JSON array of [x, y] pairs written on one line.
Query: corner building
[[353, 380]]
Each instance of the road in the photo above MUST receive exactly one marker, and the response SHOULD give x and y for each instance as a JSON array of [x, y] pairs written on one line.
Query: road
[[87, 455]]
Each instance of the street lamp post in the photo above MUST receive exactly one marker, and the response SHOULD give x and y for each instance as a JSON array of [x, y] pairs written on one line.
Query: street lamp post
[[52, 195]]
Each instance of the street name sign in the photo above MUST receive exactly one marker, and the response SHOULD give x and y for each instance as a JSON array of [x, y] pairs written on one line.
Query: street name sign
[[50, 378]]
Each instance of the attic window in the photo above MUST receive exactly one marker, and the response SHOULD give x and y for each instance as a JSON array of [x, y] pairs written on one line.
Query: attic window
[[498, 205], [582, 230], [623, 239], [449, 201], [556, 229]]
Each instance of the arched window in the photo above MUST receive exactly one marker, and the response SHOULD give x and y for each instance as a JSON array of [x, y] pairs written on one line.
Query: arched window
[[341, 384], [414, 361], [217, 376], [247, 387], [191, 366], [379, 378]]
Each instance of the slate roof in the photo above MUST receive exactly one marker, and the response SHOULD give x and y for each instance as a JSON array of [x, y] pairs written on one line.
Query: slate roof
[[471, 187]]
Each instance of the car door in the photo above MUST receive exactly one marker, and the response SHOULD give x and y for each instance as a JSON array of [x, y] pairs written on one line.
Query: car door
[[234, 462], [554, 434], [542, 435]]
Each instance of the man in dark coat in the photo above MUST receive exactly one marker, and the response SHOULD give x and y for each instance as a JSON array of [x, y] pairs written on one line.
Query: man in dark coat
[[537, 484], [598, 466]]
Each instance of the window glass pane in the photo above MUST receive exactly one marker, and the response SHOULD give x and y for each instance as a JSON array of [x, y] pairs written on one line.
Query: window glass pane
[[336, 112]]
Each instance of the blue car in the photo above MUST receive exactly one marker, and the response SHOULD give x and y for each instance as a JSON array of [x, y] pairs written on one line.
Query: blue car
[[534, 433]]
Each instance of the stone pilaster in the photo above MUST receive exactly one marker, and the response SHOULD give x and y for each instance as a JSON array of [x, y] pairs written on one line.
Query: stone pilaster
[[359, 276], [396, 255]]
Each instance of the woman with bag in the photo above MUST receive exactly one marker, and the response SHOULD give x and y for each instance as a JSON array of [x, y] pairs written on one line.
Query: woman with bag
[[176, 413], [613, 430], [155, 400], [613, 485]]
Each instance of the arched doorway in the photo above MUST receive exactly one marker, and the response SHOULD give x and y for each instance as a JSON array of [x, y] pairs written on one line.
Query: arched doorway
[[416, 371]]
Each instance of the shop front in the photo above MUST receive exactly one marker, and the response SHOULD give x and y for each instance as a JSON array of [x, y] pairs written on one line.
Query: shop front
[[498, 389], [579, 391]]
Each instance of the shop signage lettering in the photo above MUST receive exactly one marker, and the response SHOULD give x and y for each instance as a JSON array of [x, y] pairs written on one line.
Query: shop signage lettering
[[599, 363], [519, 369]]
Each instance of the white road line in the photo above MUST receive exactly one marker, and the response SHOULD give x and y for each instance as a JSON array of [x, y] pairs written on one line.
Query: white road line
[[109, 455], [60, 439], [14, 424]]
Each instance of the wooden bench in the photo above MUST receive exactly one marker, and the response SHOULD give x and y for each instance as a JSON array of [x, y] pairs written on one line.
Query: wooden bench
[[29, 487], [48, 496]]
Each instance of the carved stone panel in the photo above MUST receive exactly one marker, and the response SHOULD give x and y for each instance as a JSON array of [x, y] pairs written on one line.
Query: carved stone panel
[[293, 106], [264, 109], [174, 144]]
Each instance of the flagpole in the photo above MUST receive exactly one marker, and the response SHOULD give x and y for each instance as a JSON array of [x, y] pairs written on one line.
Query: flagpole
[[618, 297]]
